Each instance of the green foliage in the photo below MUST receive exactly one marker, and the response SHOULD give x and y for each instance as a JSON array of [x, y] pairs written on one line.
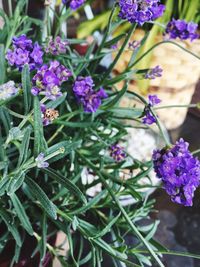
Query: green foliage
[[42, 201]]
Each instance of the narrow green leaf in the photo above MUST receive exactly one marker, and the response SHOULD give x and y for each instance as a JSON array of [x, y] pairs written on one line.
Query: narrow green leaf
[[2, 65], [127, 112], [20, 211], [76, 124], [54, 104], [90, 204], [11, 227], [114, 101], [24, 147], [3, 185], [26, 85], [38, 128], [65, 148], [43, 241], [41, 196], [66, 183], [108, 227], [15, 183]]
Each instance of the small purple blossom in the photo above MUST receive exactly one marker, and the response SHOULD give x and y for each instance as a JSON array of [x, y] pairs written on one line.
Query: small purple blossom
[[117, 152], [40, 161], [182, 29], [114, 46], [149, 118], [8, 90], [24, 52], [84, 92], [73, 4], [153, 100], [48, 80], [179, 171], [134, 45], [140, 11], [57, 46], [153, 73]]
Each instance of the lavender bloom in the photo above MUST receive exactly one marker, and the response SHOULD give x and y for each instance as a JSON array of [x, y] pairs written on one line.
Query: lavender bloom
[[134, 45], [182, 29], [84, 92], [48, 80], [8, 90], [57, 46], [153, 100], [73, 4], [117, 152], [153, 73], [40, 161], [149, 118], [140, 11], [24, 52], [48, 115], [179, 171]]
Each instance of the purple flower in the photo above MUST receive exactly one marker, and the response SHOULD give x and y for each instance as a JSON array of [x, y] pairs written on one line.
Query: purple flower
[[24, 52], [40, 161], [153, 73], [73, 4], [84, 92], [140, 11], [48, 115], [57, 46], [8, 90], [179, 171], [149, 118], [117, 152], [49, 79], [153, 100], [182, 29], [134, 45]]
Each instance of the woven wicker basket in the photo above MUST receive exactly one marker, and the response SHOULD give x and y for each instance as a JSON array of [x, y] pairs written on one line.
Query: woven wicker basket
[[181, 72]]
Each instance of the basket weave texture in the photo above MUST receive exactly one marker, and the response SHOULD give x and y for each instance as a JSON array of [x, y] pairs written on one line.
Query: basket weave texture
[[181, 72]]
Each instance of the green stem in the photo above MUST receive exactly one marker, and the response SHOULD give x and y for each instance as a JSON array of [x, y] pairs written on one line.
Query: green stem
[[159, 124], [103, 40], [168, 252], [154, 46], [126, 217], [196, 152], [10, 8], [177, 106], [109, 70]]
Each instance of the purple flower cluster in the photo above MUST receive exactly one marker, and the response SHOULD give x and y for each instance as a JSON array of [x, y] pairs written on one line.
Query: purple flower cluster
[[84, 92], [182, 29], [179, 171], [8, 90], [140, 11], [48, 80], [40, 161], [57, 46], [149, 118], [153, 73], [73, 4], [24, 52], [48, 115], [117, 152]]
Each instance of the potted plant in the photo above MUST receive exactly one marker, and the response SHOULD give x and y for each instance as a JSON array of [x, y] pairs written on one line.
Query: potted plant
[[60, 116]]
